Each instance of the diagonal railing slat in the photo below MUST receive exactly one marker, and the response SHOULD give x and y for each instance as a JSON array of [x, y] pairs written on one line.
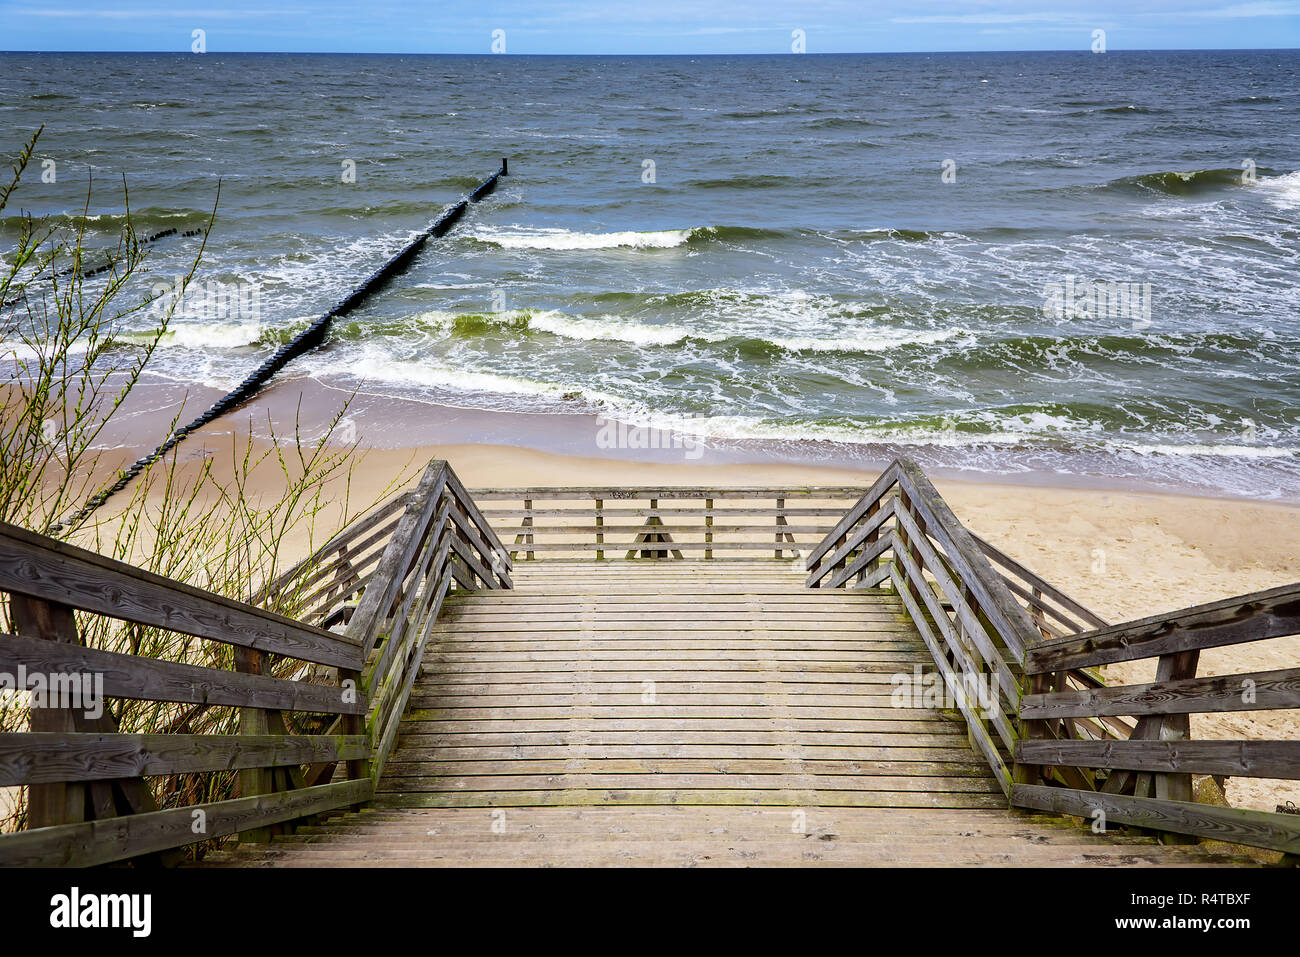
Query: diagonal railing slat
[[1061, 739]]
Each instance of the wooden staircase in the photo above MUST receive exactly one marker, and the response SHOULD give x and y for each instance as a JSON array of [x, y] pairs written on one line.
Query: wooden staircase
[[683, 713], [686, 675]]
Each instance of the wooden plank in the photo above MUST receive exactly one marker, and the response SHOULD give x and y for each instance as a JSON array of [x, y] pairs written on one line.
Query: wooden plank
[[803, 798], [1272, 613], [988, 587], [33, 565], [626, 533], [39, 757], [120, 838], [978, 736], [348, 534], [1279, 832], [855, 514], [999, 557], [622, 492], [972, 628], [155, 679], [507, 520], [386, 737], [1245, 758], [857, 541], [401, 551], [946, 736], [681, 782], [1219, 693], [468, 503]]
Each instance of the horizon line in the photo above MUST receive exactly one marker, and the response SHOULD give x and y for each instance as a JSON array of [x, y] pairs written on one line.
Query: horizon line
[[1077, 50]]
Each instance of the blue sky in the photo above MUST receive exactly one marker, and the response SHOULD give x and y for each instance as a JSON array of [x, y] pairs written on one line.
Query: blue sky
[[646, 26]]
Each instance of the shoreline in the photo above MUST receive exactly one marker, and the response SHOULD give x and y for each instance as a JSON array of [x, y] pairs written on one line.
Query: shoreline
[[387, 422]]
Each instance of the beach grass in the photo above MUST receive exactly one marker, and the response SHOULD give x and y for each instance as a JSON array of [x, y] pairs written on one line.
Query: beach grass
[[228, 527]]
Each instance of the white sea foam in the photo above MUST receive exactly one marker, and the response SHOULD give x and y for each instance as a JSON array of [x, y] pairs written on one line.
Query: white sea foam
[[210, 335], [1218, 451], [527, 238], [1282, 191], [871, 339], [571, 327]]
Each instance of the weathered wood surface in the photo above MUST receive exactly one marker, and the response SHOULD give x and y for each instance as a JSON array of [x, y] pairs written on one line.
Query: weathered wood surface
[[1279, 832], [667, 523], [33, 565], [119, 838], [708, 836], [776, 699], [1267, 614], [1260, 759], [156, 679], [1248, 691], [38, 757]]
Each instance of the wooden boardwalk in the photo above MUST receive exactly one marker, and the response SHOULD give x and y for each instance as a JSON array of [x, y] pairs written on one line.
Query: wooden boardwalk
[[683, 713], [685, 675]]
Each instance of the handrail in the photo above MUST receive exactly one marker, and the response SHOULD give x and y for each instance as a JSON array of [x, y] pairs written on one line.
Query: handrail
[[664, 522], [45, 569], [441, 541], [965, 614], [1062, 740], [1146, 780], [88, 800]]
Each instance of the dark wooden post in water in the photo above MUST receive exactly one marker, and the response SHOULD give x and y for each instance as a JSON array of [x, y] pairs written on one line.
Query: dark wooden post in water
[[303, 342]]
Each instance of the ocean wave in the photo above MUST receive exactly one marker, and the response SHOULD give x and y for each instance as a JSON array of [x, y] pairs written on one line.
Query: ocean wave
[[143, 221], [1180, 183], [228, 335], [870, 339], [570, 327], [519, 237], [1216, 450]]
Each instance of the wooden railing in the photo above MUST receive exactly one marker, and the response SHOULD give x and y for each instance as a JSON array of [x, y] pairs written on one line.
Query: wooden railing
[[1146, 779], [967, 617], [1055, 735], [89, 797], [88, 800], [440, 542], [669, 522]]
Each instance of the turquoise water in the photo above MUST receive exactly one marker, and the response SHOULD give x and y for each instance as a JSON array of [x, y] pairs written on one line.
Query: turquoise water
[[798, 272]]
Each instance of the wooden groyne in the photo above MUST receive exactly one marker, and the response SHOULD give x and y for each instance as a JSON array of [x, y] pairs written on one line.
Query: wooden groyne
[[620, 704], [303, 342]]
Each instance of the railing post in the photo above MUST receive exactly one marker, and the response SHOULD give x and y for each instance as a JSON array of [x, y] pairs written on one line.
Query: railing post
[[708, 525], [780, 518], [600, 523], [1029, 730], [253, 721], [528, 523], [60, 802]]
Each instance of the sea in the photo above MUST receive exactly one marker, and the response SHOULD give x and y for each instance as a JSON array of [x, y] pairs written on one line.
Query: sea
[[1076, 267]]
